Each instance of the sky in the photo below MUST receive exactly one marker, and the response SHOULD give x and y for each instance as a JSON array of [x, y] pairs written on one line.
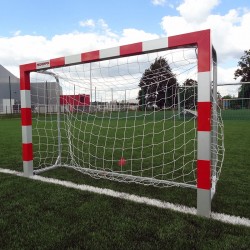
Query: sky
[[34, 30]]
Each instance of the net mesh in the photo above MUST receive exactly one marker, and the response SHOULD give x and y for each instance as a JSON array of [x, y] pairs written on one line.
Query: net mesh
[[130, 119]]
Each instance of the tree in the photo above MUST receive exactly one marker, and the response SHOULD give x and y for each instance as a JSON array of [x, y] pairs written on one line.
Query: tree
[[188, 97], [158, 85], [244, 72], [227, 97]]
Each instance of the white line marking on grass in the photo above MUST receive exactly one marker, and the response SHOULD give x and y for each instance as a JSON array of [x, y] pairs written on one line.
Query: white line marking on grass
[[235, 220], [8, 171]]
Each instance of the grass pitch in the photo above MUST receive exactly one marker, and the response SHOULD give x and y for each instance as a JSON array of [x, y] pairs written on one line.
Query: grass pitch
[[37, 215], [154, 145]]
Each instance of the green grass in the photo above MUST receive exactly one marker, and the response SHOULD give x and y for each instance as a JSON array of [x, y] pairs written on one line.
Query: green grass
[[11, 143], [100, 143], [236, 114], [234, 183], [37, 215]]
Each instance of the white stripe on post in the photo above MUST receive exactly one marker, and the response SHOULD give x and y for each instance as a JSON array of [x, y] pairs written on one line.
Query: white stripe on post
[[204, 138], [28, 168], [25, 99], [204, 87], [73, 59], [155, 44], [109, 53], [26, 134], [204, 202], [43, 64]]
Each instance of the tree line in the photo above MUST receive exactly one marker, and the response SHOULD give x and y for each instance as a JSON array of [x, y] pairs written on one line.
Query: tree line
[[159, 87]]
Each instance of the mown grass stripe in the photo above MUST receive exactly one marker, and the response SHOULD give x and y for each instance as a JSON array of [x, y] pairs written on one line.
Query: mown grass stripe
[[230, 219]]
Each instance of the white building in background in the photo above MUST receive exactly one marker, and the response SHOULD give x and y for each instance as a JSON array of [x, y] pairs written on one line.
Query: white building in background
[[9, 90], [7, 104], [42, 93]]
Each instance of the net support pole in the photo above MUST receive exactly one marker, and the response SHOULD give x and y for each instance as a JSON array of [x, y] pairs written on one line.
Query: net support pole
[[58, 162], [179, 102], [90, 86], [214, 124]]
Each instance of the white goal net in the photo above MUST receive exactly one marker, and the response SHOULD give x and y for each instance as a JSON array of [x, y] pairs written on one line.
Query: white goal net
[[130, 119]]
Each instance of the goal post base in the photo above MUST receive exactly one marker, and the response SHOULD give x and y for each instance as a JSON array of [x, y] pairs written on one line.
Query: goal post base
[[28, 168], [203, 202]]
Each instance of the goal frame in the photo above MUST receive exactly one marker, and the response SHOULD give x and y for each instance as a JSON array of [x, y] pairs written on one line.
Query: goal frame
[[206, 66]]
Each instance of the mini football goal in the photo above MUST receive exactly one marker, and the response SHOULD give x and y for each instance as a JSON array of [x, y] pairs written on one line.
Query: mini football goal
[[145, 113]]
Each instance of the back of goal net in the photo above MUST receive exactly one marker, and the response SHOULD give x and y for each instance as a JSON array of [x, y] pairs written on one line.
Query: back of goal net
[[129, 119]]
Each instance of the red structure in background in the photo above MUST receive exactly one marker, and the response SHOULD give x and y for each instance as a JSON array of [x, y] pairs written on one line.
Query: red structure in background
[[75, 102]]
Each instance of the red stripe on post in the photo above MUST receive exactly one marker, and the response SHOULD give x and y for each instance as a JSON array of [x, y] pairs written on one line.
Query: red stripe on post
[[131, 49], [203, 174], [25, 75], [90, 56], [204, 54], [28, 67], [185, 39], [24, 80], [204, 116], [26, 116], [27, 151], [57, 62], [202, 40]]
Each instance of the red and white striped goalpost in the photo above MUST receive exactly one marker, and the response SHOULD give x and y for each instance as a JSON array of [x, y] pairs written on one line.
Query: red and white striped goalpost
[[200, 39]]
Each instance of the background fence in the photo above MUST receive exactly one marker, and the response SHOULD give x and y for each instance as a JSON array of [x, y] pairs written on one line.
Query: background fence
[[233, 100]]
